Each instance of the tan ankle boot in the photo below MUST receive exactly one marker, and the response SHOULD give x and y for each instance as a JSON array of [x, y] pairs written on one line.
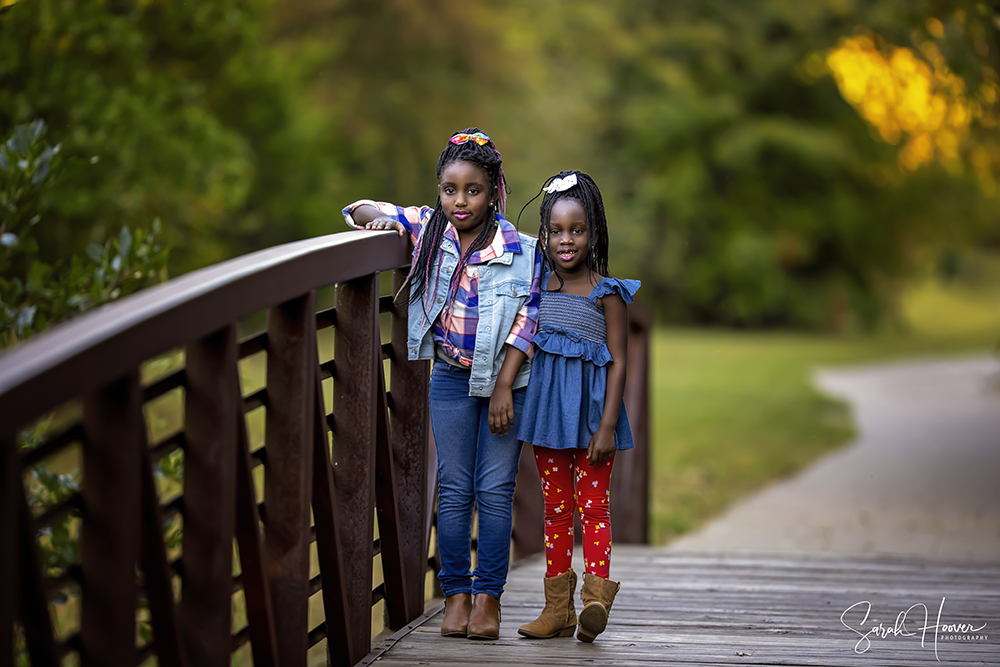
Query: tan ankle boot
[[559, 615], [456, 615], [598, 594], [484, 620]]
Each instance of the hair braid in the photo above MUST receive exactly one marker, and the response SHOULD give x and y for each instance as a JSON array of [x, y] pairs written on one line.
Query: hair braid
[[588, 195]]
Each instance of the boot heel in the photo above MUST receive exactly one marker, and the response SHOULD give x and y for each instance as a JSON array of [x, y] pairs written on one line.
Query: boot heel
[[568, 632]]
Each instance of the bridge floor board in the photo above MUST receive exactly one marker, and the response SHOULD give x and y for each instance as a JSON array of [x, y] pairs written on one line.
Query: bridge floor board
[[678, 608]]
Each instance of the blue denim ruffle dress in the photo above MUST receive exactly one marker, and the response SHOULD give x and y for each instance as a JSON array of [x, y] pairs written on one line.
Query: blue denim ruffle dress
[[565, 398]]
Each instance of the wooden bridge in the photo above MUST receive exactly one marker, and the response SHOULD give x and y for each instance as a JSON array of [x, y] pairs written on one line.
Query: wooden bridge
[[245, 484]]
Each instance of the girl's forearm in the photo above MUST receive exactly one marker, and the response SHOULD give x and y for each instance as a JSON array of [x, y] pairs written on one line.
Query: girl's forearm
[[511, 365], [364, 214], [616, 316], [614, 393]]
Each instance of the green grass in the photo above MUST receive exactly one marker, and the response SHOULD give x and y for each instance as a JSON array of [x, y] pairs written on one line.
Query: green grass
[[733, 411]]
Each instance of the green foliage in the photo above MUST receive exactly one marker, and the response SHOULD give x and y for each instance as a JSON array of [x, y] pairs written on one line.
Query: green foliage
[[764, 198], [742, 189], [173, 110], [35, 294]]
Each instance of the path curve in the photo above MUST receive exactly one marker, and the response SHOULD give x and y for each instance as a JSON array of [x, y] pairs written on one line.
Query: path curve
[[922, 478]]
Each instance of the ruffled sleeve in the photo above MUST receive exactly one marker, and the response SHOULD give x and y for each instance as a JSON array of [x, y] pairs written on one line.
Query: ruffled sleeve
[[626, 289]]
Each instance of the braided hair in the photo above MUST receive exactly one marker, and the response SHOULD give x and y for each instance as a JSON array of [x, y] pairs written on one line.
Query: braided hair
[[588, 195], [428, 247]]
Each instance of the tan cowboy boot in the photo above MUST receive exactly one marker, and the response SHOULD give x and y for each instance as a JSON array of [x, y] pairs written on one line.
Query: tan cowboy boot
[[456, 615], [484, 621], [559, 615], [598, 594]]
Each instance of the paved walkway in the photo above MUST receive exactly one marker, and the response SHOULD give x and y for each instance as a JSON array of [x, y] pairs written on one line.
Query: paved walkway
[[922, 479]]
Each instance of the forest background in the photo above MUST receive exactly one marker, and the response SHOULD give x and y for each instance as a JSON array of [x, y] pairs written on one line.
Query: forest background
[[794, 175], [764, 163]]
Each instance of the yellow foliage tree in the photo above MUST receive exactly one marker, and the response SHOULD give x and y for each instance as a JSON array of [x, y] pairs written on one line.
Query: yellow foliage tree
[[917, 100]]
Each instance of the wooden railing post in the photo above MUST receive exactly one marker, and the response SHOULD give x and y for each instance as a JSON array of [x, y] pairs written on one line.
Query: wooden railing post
[[529, 508], [10, 491], [109, 538], [630, 479], [409, 426], [291, 358], [357, 353], [211, 411]]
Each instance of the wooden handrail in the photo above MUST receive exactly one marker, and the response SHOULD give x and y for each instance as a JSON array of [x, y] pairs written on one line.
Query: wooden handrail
[[101, 345]]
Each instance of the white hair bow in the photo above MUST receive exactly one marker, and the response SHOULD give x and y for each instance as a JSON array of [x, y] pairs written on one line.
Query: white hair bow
[[561, 184]]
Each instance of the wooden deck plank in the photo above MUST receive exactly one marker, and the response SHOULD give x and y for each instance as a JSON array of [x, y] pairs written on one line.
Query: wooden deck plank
[[709, 610]]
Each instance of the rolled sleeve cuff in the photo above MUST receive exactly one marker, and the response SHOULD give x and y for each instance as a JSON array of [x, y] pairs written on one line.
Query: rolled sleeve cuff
[[522, 332], [349, 210]]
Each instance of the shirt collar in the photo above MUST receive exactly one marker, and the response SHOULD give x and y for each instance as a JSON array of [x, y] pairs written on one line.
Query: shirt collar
[[505, 240]]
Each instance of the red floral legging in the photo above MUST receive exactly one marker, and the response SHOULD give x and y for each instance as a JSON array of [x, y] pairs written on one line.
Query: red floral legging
[[560, 470]]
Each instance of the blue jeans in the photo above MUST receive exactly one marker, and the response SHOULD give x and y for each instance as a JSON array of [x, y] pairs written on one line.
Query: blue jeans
[[474, 466]]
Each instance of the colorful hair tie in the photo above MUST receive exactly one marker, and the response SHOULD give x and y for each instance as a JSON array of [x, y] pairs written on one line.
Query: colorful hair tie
[[478, 137]]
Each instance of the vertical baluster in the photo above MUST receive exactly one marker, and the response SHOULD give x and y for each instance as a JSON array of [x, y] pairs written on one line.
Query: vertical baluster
[[112, 420], [210, 410], [430, 513], [389, 528], [409, 429], [253, 573], [10, 488], [34, 600], [155, 571], [340, 645], [291, 356], [356, 346]]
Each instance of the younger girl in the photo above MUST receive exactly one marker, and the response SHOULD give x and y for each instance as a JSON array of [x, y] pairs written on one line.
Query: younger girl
[[473, 308], [574, 414]]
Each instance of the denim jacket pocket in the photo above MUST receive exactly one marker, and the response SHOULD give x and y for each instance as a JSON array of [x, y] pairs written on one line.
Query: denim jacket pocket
[[514, 289]]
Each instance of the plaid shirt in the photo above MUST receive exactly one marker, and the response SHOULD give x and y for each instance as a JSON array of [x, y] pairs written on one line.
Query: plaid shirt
[[455, 328]]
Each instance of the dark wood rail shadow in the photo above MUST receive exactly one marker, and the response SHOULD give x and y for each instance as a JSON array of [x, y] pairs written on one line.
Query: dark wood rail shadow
[[253, 518]]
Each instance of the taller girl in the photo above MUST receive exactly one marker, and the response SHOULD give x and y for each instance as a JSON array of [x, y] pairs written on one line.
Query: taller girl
[[474, 292]]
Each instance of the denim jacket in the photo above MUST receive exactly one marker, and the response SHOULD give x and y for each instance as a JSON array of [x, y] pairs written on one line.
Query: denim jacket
[[504, 286]]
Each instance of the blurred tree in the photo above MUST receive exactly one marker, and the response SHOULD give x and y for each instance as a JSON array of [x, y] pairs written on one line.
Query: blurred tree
[[764, 198], [742, 186], [163, 109]]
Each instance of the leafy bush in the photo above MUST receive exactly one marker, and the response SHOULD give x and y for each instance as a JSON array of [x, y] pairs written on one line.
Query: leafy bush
[[36, 294]]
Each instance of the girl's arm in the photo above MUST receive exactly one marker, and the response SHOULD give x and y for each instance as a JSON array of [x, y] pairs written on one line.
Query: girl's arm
[[602, 444], [517, 344], [368, 214], [502, 399]]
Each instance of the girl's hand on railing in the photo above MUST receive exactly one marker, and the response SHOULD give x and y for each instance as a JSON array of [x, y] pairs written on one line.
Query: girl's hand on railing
[[386, 223]]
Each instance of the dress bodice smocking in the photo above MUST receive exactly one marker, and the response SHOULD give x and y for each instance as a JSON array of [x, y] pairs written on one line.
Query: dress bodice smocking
[[574, 326]]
